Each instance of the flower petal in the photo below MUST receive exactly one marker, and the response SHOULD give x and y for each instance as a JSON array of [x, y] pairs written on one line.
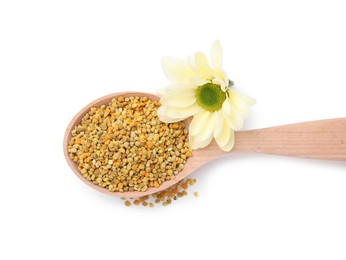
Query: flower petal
[[216, 55], [226, 108], [202, 66], [230, 143], [195, 143], [223, 138], [183, 112], [241, 102], [191, 62], [179, 89], [161, 92], [220, 82], [198, 121], [177, 101], [219, 121], [162, 114], [168, 113], [222, 76], [199, 81], [207, 128], [250, 101], [234, 120], [177, 70]]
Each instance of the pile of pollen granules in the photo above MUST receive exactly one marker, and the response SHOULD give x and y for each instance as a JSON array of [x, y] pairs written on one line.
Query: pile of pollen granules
[[164, 197], [123, 146]]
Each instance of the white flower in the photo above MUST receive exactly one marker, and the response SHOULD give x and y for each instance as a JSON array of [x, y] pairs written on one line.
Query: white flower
[[204, 92]]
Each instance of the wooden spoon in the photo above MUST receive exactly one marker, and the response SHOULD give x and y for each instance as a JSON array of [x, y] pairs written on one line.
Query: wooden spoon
[[324, 139]]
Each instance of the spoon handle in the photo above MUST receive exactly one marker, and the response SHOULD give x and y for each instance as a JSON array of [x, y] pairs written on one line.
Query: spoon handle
[[324, 139]]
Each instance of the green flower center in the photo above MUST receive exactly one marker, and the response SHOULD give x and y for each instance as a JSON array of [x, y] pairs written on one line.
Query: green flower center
[[210, 97]]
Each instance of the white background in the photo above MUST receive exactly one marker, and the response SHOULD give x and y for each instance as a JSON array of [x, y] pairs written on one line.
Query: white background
[[57, 56]]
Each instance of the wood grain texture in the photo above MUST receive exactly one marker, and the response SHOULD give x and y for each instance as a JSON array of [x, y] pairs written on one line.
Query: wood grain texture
[[324, 139]]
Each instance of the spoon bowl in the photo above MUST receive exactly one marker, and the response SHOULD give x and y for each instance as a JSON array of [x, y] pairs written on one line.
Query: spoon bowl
[[323, 139], [105, 100]]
